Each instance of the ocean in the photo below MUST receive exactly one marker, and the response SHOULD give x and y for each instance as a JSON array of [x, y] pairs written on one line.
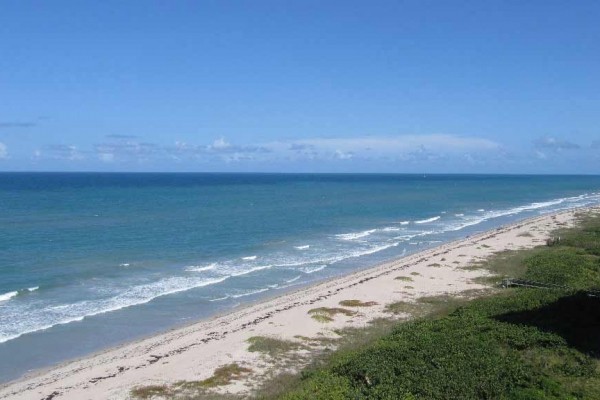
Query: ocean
[[92, 260]]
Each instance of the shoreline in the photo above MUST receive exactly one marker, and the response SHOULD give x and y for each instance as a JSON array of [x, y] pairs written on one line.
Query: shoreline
[[113, 371]]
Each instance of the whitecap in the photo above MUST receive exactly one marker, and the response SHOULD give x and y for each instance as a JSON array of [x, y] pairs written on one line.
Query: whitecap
[[249, 258], [425, 221], [124, 265], [404, 222], [200, 268], [459, 215], [8, 296], [33, 289], [245, 272], [304, 247], [355, 235]]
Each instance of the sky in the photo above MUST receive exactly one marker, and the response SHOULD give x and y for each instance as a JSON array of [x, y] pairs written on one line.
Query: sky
[[446, 86]]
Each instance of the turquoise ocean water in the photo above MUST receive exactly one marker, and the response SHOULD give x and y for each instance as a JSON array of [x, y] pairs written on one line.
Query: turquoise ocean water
[[92, 260]]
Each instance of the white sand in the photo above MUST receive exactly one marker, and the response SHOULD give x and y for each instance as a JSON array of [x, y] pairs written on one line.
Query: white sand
[[195, 351]]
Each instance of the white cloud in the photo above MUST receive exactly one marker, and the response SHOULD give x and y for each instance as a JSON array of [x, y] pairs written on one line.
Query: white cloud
[[552, 143], [106, 157], [340, 155], [402, 147], [403, 143], [3, 151], [60, 152], [220, 144]]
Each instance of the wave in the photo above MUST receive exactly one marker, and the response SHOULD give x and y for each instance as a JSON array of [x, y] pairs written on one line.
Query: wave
[[337, 256], [249, 258], [475, 220], [391, 229], [374, 249], [220, 298], [245, 272], [200, 268], [459, 215], [237, 296], [67, 313], [306, 246], [8, 296], [425, 221], [124, 265], [313, 270], [293, 279], [355, 235]]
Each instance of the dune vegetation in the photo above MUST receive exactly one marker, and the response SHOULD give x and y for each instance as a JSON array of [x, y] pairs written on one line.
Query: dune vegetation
[[522, 343]]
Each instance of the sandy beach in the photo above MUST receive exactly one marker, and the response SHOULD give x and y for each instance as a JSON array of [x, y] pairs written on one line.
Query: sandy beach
[[193, 352]]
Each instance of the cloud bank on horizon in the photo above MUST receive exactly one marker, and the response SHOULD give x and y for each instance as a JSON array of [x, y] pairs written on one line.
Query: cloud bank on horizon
[[401, 153]]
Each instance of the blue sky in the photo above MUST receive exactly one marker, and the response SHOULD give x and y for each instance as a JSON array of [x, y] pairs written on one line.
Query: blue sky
[[300, 86]]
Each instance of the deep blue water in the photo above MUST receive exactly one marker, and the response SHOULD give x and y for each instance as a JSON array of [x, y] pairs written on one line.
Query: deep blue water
[[90, 260]]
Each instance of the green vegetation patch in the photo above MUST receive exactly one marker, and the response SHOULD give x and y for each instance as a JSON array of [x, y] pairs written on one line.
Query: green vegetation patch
[[405, 307], [150, 391], [222, 376], [525, 234], [198, 389], [357, 303], [326, 314], [272, 346]]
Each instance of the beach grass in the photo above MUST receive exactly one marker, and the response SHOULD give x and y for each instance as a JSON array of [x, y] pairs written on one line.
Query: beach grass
[[150, 391], [525, 234], [326, 314], [357, 303], [222, 376], [194, 389], [272, 346]]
